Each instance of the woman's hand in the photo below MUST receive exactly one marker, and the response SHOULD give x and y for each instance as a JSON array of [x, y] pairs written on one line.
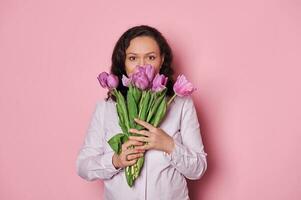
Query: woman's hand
[[156, 138], [128, 157]]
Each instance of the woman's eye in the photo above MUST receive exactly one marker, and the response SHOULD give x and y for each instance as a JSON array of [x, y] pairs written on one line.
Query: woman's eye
[[152, 57], [131, 58]]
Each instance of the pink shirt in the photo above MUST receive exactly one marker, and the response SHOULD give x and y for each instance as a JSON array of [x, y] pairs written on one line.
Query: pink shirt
[[163, 176]]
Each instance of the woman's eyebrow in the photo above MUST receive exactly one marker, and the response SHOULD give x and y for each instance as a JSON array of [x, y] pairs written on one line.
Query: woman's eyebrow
[[136, 53]]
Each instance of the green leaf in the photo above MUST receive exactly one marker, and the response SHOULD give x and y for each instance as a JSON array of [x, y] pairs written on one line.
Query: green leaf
[[158, 97], [160, 113], [132, 107], [140, 164], [144, 106], [141, 102], [138, 126], [125, 138], [137, 94], [151, 102], [116, 141], [154, 108], [122, 112], [121, 119], [129, 176]]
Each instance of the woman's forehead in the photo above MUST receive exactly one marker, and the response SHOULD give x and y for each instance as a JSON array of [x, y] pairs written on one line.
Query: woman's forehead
[[142, 45]]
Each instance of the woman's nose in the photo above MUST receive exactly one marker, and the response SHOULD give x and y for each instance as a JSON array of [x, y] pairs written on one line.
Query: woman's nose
[[142, 62]]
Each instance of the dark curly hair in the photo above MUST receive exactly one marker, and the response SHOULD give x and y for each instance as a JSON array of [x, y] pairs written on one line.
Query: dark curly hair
[[119, 55]]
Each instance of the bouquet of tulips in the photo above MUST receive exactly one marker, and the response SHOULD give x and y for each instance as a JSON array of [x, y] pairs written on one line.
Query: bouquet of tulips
[[146, 99]]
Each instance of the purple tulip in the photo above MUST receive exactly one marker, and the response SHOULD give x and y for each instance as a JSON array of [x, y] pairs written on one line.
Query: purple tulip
[[112, 81], [159, 83], [148, 69], [126, 81], [150, 72], [140, 80], [183, 87], [102, 78], [109, 81], [138, 68]]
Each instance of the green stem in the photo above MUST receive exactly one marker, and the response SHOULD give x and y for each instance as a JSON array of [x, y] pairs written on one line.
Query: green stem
[[170, 100], [114, 91], [139, 106]]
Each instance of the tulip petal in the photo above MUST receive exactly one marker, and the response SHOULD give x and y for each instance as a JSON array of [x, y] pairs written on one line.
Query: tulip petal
[[102, 78]]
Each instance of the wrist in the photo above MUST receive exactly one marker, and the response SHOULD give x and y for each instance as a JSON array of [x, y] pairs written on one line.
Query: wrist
[[115, 161], [170, 146]]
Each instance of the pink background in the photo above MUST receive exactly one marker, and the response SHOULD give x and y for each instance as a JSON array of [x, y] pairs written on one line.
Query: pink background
[[243, 56]]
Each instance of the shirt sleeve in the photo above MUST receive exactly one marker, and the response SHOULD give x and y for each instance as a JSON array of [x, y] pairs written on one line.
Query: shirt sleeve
[[188, 155], [92, 161]]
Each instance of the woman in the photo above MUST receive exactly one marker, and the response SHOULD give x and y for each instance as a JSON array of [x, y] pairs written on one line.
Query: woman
[[174, 151]]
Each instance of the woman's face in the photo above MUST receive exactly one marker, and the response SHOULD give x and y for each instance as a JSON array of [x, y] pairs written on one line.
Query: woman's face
[[141, 51]]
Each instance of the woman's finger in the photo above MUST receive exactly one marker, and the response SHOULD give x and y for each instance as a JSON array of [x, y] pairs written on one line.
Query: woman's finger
[[130, 143], [145, 124], [131, 162], [142, 132], [139, 138], [134, 150], [134, 156]]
